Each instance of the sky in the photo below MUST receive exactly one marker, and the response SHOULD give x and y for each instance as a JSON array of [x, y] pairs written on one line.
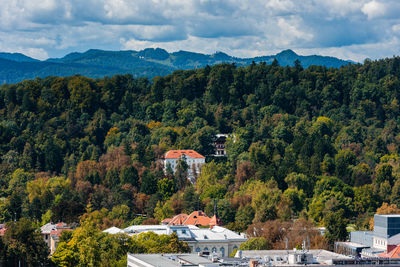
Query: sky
[[347, 29]]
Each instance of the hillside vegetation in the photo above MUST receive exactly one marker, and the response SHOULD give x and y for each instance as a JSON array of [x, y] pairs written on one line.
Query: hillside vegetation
[[317, 143]]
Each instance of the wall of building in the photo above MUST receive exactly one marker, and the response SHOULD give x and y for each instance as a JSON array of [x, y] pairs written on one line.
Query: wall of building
[[362, 237], [191, 162], [380, 243], [223, 249]]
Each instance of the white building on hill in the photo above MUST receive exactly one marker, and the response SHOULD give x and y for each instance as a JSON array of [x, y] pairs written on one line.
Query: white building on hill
[[193, 159]]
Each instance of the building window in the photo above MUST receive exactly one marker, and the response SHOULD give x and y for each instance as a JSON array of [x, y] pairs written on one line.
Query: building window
[[235, 247], [197, 249], [222, 251], [206, 249], [214, 250]]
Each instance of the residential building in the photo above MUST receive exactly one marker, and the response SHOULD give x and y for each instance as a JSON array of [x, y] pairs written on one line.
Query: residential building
[[193, 159], [256, 258], [377, 243], [219, 145], [51, 234], [386, 230], [180, 260], [217, 240]]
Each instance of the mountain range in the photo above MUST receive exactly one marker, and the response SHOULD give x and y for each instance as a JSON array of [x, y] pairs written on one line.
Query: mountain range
[[150, 62]]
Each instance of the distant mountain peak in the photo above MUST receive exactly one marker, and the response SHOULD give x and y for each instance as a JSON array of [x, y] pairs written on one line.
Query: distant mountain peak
[[287, 52], [149, 62], [154, 53], [220, 54], [18, 57]]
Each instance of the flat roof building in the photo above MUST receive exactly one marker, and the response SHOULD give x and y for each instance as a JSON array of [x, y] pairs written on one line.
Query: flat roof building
[[383, 239], [167, 260], [218, 240]]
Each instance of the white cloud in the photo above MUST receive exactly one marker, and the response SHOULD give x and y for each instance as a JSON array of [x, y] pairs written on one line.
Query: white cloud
[[38, 53], [374, 9], [291, 31], [342, 8], [396, 29]]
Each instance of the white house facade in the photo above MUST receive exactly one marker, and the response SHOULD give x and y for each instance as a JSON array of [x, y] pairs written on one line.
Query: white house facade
[[193, 159]]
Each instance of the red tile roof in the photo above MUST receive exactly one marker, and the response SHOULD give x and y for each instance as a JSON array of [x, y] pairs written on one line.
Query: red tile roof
[[194, 218], [166, 221], [197, 218], [178, 219], [394, 253], [174, 154], [215, 220]]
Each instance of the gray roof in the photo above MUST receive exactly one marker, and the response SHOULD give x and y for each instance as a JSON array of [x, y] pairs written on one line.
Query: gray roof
[[113, 230], [353, 244], [388, 215], [47, 228], [373, 250], [321, 255], [167, 260], [189, 232]]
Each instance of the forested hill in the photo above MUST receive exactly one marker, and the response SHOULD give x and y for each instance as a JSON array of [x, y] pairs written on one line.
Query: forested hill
[[146, 63], [317, 143]]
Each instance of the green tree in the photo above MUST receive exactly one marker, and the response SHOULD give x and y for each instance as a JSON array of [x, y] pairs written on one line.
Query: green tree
[[181, 174], [129, 175], [191, 200], [53, 156], [301, 182], [166, 188], [256, 243], [344, 159], [335, 223], [149, 183], [244, 216], [24, 244], [384, 173]]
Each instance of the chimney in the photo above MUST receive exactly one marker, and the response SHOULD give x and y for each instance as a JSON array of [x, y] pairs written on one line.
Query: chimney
[[253, 263]]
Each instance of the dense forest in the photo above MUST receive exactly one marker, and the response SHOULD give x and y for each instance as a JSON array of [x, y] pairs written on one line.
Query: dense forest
[[320, 144]]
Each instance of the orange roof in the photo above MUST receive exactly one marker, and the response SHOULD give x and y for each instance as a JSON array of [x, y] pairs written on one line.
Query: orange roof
[[197, 218], [174, 154], [215, 220], [57, 233], [166, 221], [394, 253], [178, 219], [61, 225]]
